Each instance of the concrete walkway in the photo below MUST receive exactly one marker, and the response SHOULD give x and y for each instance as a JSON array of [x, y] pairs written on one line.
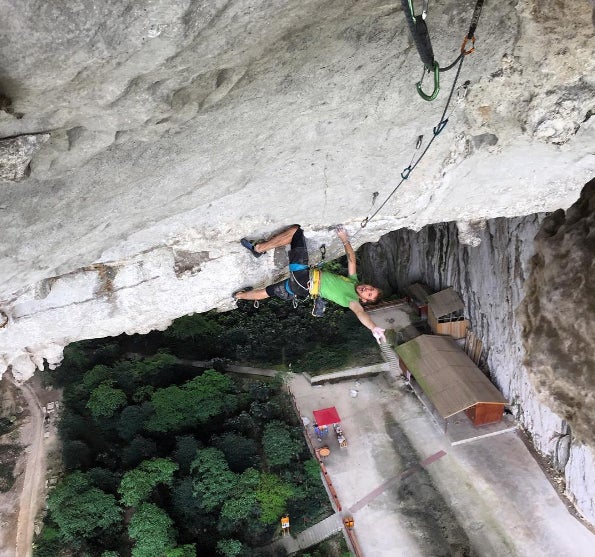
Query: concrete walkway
[[343, 375], [312, 536], [413, 494]]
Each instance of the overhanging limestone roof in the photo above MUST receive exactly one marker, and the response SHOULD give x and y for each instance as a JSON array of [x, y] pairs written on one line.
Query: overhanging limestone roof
[[445, 302], [447, 376]]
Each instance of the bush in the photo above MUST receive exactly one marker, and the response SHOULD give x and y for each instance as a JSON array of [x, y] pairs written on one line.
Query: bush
[[322, 359]]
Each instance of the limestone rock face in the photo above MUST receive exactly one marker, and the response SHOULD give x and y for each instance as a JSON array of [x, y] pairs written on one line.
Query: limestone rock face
[[16, 154], [558, 314], [176, 127], [543, 360]]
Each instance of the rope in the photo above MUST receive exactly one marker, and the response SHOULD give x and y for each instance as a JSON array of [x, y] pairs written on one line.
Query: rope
[[443, 121], [451, 66]]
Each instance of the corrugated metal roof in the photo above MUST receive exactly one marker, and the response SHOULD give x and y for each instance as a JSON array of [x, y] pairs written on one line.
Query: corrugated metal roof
[[445, 302], [448, 377]]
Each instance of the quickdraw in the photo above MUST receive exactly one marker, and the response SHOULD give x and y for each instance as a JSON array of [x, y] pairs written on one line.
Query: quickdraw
[[426, 54], [421, 38]]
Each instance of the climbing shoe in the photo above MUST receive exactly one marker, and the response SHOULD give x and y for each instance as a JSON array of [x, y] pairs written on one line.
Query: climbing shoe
[[250, 247]]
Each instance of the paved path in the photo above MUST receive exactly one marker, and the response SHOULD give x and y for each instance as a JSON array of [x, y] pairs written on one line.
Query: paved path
[[414, 494], [367, 499], [312, 536], [34, 475]]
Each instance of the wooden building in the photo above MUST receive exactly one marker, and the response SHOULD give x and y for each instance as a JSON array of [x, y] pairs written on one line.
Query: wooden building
[[438, 368], [445, 314], [418, 295]]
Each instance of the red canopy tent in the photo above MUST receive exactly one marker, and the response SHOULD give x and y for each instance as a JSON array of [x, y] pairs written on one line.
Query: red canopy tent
[[326, 416]]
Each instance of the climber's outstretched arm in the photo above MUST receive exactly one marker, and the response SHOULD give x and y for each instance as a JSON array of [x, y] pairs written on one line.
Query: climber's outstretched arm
[[366, 321], [351, 264]]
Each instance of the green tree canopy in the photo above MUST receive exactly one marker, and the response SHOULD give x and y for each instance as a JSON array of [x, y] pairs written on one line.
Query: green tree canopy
[[312, 469], [80, 510], [105, 400], [95, 376], [243, 507], [240, 452], [188, 511], [194, 403], [272, 494], [186, 449], [146, 369], [182, 551], [214, 482], [152, 530], [278, 444], [137, 484], [230, 548], [132, 419], [140, 448], [193, 326]]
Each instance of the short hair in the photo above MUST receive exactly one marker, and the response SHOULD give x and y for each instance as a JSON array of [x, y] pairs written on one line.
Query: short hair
[[375, 300], [379, 295]]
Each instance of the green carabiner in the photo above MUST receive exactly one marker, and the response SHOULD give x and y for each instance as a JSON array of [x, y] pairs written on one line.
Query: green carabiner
[[436, 84]]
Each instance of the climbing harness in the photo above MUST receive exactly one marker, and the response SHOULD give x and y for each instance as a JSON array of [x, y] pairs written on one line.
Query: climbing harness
[[319, 303], [315, 282], [421, 38], [314, 271], [461, 92]]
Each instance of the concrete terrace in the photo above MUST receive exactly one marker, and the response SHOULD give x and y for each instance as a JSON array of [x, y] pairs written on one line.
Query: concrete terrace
[[413, 494]]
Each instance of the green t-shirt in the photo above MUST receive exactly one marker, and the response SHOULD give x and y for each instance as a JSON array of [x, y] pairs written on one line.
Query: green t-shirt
[[338, 289]]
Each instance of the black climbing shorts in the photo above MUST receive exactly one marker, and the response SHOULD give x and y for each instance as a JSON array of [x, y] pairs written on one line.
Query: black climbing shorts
[[297, 283]]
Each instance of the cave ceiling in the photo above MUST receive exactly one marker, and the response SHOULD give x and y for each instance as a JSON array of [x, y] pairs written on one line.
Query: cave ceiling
[[141, 140]]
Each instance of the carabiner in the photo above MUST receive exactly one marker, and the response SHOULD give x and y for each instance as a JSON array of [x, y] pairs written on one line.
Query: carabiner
[[424, 8], [406, 172], [441, 125], [364, 222], [436, 90]]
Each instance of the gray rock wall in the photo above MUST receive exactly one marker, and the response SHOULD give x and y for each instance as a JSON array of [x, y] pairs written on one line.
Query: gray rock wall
[[493, 276]]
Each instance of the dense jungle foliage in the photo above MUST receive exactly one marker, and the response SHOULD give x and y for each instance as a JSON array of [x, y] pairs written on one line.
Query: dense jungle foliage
[[163, 458], [275, 334]]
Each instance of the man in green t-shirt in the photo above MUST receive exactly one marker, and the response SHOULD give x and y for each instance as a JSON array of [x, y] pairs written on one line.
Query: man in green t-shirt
[[345, 291]]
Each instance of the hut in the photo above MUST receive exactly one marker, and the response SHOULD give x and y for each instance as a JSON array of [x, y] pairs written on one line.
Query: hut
[[439, 370], [418, 295], [445, 314]]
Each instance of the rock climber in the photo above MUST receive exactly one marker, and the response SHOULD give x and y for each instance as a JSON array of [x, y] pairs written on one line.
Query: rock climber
[[345, 291]]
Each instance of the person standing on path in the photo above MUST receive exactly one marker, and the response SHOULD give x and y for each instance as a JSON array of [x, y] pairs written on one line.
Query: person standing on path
[[303, 281]]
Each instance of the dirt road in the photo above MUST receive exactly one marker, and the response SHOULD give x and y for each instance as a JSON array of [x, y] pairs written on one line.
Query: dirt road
[[32, 493], [20, 506]]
